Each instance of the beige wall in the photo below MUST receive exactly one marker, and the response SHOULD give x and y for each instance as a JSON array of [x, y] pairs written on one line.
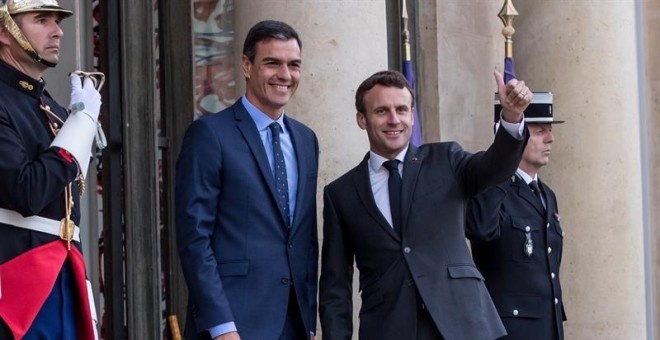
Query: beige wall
[[461, 46], [585, 53], [340, 49], [651, 17]]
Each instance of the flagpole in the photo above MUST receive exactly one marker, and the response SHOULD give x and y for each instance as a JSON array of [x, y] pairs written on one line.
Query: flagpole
[[405, 33], [507, 14]]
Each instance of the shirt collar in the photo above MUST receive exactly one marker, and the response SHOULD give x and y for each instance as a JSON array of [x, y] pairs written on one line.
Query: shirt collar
[[376, 160], [261, 119], [525, 177]]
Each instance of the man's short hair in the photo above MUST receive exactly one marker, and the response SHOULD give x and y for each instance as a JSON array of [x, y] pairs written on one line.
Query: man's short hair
[[266, 30], [387, 78]]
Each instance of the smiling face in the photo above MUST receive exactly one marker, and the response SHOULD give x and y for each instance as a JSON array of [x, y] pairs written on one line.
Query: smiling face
[[388, 119], [272, 77], [43, 32], [539, 146]]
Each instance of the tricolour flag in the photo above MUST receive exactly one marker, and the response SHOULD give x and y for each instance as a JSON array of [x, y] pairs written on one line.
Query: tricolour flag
[[408, 72], [509, 71]]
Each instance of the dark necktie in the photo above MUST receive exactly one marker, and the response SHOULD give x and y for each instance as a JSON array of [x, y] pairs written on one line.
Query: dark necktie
[[537, 191], [394, 186], [279, 169]]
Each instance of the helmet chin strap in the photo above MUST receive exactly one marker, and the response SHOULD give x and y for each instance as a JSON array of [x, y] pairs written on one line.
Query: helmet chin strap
[[15, 31]]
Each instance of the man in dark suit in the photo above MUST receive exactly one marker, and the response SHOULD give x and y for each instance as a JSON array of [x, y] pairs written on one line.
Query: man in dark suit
[[246, 204], [417, 277], [517, 240]]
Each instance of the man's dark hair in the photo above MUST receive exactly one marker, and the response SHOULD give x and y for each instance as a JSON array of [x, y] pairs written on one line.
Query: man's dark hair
[[386, 78], [266, 30]]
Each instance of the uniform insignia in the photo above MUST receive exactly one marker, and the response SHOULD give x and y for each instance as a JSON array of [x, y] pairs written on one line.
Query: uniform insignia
[[24, 84], [528, 247]]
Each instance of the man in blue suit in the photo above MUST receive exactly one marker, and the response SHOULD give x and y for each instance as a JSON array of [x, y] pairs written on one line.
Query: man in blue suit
[[246, 204]]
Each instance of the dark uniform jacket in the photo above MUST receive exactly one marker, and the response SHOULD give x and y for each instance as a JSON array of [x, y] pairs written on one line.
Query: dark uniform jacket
[[32, 175], [517, 246], [431, 259]]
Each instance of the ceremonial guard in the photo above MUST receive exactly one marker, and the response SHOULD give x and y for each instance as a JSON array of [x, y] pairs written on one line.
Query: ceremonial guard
[[517, 239], [45, 152]]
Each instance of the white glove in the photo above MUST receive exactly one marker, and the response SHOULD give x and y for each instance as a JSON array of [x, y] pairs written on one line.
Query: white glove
[[78, 131], [85, 97]]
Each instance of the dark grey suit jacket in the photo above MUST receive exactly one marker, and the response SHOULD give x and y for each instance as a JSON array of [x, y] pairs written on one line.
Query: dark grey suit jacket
[[432, 256]]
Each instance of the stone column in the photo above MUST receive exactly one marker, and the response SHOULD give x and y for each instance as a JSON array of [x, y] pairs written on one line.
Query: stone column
[[651, 29], [344, 42], [586, 54], [460, 47]]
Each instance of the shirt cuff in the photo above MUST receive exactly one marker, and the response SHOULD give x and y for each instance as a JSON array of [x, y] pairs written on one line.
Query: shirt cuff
[[514, 129], [222, 329]]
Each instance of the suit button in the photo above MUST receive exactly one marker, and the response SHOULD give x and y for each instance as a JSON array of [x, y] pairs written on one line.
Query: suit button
[[556, 301], [406, 250], [549, 250], [285, 281], [527, 228], [547, 225], [410, 282], [290, 246], [515, 312], [552, 275]]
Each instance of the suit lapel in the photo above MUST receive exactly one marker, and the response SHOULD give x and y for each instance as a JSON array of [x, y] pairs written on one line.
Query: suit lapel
[[302, 167], [411, 167], [363, 187], [249, 131], [526, 193], [545, 199]]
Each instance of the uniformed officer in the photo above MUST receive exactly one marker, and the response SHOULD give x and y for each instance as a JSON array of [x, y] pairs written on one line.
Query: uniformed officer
[[45, 151], [517, 240]]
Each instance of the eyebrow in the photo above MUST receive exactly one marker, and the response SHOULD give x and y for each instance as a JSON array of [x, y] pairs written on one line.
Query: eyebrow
[[273, 59], [46, 14]]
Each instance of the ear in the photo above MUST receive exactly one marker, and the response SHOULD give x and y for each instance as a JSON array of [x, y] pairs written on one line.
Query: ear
[[361, 120], [246, 64], [5, 37]]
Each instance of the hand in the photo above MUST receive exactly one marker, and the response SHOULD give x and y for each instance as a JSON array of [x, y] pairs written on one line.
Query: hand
[[85, 97], [228, 336], [312, 337], [515, 97]]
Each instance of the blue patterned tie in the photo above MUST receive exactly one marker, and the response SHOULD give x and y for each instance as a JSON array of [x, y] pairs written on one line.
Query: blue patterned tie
[[280, 173], [394, 188]]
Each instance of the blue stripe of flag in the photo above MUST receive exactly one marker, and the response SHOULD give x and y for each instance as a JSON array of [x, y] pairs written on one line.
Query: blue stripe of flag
[[416, 137]]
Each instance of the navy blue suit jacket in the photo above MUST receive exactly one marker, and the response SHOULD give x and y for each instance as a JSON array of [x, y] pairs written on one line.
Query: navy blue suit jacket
[[238, 257]]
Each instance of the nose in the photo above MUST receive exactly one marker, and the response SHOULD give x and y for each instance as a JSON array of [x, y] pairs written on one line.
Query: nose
[[551, 137], [283, 72], [393, 117], [57, 30]]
